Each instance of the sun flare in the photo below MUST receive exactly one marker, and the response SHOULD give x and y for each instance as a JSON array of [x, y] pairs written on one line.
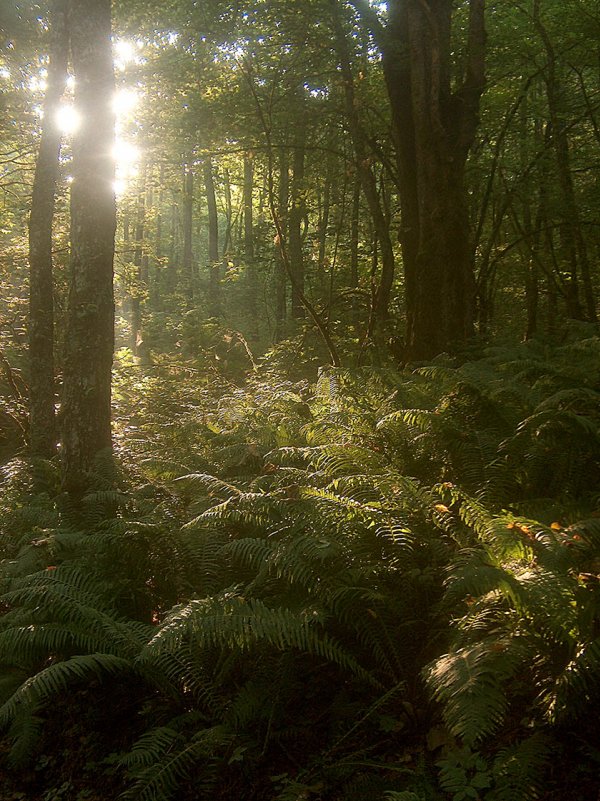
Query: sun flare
[[67, 118]]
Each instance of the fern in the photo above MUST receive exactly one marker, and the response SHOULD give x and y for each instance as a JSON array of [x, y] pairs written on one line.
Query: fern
[[230, 620], [161, 777]]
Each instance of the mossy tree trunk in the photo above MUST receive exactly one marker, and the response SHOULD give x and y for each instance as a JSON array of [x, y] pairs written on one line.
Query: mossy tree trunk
[[89, 341]]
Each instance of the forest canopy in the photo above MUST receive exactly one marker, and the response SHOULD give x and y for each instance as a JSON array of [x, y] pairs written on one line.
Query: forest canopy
[[299, 400]]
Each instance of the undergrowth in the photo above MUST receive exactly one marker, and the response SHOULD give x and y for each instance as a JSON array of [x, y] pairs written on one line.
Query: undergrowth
[[379, 585]]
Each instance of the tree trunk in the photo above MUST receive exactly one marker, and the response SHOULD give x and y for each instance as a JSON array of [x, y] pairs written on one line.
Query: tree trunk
[[139, 285], [89, 343], [188, 256], [572, 236], [280, 276], [251, 277], [354, 238], [323, 228], [159, 300], [42, 419], [434, 128], [213, 239], [296, 217], [173, 252], [228, 214], [368, 182]]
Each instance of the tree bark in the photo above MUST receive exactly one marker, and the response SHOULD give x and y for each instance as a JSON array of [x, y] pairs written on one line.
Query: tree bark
[[572, 236], [159, 299], [139, 284], [366, 176], [280, 275], [296, 217], [434, 128], [89, 343], [251, 277], [188, 256], [214, 301], [354, 237], [42, 390]]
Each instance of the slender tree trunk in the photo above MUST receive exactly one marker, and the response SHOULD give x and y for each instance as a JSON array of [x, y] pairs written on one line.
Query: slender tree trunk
[[42, 420], [531, 227], [573, 239], [188, 256], [228, 213], [158, 243], [89, 342], [249, 258], [280, 276], [139, 283], [282, 240], [296, 217], [323, 228], [213, 239], [173, 252], [354, 238], [383, 290]]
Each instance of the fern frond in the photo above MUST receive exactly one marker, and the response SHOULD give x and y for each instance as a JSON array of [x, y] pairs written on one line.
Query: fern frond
[[25, 733], [57, 678], [160, 780], [577, 687], [470, 684], [211, 485], [151, 747], [229, 621], [520, 770]]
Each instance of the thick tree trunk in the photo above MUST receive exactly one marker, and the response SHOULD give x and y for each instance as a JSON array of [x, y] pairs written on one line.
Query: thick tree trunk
[[89, 343], [42, 419], [434, 128]]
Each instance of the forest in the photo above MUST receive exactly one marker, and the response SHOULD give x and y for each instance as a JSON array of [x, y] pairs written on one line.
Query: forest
[[299, 400]]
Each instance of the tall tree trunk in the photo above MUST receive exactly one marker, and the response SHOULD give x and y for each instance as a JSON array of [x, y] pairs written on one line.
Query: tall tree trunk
[[323, 227], [383, 289], [228, 214], [158, 243], [188, 256], [213, 239], [42, 419], [434, 128], [89, 343], [354, 237], [296, 217], [571, 231], [251, 277], [280, 276], [139, 282], [173, 252]]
